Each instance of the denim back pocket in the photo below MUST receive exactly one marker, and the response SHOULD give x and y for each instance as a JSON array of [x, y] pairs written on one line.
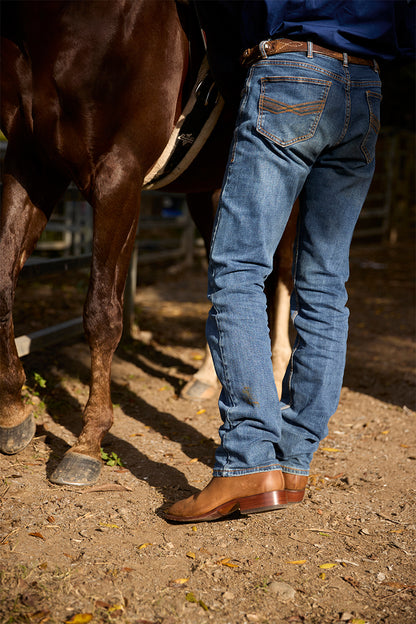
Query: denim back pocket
[[290, 108], [368, 146]]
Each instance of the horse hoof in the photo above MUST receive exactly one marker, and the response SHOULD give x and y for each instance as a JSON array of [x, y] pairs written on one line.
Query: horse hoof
[[76, 469], [15, 439], [197, 390]]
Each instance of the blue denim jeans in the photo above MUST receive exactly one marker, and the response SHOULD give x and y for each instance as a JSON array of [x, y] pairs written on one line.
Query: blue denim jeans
[[307, 128]]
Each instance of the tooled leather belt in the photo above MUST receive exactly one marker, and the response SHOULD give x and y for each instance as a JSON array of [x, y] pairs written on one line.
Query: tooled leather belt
[[278, 46]]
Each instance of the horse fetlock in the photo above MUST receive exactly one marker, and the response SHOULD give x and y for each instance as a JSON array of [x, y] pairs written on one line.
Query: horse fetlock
[[90, 438], [85, 445], [13, 411]]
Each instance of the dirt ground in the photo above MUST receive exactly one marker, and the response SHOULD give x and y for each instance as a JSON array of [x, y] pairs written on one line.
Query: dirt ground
[[105, 554]]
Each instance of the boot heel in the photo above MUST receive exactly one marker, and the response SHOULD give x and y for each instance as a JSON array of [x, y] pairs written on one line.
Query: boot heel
[[263, 502], [295, 496]]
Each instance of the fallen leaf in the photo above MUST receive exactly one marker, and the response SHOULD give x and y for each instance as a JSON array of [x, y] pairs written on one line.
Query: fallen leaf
[[346, 562], [145, 545], [397, 585], [203, 605], [322, 576], [193, 461], [299, 562], [180, 581], [43, 566], [50, 519], [191, 555], [190, 597], [109, 525], [351, 580], [227, 562], [80, 618], [386, 432], [201, 411], [40, 617], [331, 450], [194, 528], [327, 566], [116, 607], [38, 535]]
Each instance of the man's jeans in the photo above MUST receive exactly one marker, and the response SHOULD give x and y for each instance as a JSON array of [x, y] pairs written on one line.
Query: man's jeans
[[307, 127]]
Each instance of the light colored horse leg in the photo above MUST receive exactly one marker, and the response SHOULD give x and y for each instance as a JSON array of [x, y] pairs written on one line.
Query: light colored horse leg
[[280, 317], [281, 348], [204, 384]]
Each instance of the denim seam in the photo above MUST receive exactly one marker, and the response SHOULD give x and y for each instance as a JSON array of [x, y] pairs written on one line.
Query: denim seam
[[269, 468], [301, 65], [227, 379], [316, 68], [291, 470], [347, 108], [296, 311], [240, 113], [362, 84], [373, 126], [266, 468]]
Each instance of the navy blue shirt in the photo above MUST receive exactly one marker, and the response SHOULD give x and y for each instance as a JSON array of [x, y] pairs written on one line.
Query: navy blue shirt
[[381, 29]]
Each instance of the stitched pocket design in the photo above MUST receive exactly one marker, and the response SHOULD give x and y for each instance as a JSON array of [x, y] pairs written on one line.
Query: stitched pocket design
[[284, 115], [368, 146]]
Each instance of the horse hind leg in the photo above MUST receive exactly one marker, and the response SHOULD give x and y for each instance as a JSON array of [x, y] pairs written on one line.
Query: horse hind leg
[[22, 222]]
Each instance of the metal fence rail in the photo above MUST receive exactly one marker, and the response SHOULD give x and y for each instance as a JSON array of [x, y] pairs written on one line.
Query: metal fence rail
[[58, 238]]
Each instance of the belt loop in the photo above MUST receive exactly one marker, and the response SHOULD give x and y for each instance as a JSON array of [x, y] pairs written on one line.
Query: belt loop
[[345, 57], [310, 49], [375, 66], [262, 49]]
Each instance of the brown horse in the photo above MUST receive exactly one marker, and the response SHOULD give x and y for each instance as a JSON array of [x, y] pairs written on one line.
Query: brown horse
[[90, 93]]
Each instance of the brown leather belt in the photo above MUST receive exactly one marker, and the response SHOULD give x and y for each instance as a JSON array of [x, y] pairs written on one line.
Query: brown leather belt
[[278, 46]]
